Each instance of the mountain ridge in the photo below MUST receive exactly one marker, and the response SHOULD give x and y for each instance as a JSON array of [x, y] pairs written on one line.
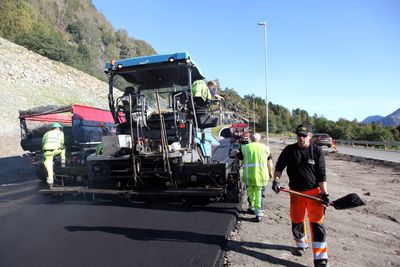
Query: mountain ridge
[[393, 119]]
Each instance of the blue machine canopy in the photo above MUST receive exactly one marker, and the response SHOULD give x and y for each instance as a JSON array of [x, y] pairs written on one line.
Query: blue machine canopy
[[157, 71]]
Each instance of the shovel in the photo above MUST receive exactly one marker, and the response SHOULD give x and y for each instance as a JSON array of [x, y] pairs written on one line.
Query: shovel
[[347, 202]]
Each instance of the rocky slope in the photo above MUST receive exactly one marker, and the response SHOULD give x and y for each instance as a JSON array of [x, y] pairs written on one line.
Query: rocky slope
[[29, 80]]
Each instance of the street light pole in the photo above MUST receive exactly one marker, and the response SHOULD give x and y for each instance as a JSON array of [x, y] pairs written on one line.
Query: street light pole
[[254, 106], [264, 24]]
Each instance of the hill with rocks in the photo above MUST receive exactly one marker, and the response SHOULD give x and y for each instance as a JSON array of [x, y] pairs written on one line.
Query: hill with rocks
[[29, 80]]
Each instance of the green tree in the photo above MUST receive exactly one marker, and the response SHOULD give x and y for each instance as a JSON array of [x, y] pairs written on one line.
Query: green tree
[[298, 117], [396, 133], [75, 29], [16, 17], [45, 41], [381, 133]]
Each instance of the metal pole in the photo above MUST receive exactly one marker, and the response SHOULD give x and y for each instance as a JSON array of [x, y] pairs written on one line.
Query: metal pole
[[264, 24], [254, 119]]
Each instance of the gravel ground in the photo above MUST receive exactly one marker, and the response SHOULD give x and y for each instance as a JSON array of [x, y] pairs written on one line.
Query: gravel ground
[[363, 236]]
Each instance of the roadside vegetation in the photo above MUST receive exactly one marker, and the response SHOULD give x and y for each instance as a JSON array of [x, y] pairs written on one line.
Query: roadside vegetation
[[282, 121], [75, 33]]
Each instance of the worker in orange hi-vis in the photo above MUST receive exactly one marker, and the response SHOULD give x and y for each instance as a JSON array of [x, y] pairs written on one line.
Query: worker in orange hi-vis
[[305, 164]]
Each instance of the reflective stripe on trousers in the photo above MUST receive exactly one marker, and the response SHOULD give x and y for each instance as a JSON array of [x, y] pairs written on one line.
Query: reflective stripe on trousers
[[320, 250]]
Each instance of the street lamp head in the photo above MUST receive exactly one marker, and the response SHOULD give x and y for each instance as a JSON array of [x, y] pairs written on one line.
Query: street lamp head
[[262, 23]]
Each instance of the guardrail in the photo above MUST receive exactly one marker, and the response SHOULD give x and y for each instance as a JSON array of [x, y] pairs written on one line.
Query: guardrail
[[370, 144], [392, 146]]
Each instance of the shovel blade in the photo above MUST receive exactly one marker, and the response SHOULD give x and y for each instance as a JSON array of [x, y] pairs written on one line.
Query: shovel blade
[[347, 202]]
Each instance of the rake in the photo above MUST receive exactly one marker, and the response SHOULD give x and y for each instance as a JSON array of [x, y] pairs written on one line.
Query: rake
[[347, 202]]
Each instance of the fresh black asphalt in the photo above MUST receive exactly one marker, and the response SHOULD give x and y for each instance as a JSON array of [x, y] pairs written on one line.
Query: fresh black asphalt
[[49, 232], [36, 230]]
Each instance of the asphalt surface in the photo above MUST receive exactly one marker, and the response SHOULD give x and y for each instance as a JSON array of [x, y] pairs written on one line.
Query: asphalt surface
[[37, 230], [385, 155], [48, 232], [368, 153]]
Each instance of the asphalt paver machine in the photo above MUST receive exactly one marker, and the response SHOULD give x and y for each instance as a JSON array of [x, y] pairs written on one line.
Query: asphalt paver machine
[[162, 143]]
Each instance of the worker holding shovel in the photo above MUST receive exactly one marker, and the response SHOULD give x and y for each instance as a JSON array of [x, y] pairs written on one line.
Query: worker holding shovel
[[305, 165]]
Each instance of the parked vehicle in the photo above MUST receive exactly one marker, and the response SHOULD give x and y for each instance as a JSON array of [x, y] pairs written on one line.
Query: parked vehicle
[[165, 149], [239, 133], [83, 128], [322, 139]]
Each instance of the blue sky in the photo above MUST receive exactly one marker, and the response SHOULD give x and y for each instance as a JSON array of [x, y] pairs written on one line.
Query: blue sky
[[339, 59]]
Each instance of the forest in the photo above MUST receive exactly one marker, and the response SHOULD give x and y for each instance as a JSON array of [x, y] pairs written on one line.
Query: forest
[[283, 121], [75, 33]]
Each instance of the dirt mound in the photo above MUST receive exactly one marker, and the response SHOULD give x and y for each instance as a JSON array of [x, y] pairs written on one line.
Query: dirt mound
[[366, 161]]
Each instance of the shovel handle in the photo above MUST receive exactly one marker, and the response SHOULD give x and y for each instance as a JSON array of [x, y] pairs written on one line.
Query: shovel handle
[[301, 194]]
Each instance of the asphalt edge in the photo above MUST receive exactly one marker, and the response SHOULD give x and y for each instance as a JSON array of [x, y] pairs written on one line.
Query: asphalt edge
[[220, 260]]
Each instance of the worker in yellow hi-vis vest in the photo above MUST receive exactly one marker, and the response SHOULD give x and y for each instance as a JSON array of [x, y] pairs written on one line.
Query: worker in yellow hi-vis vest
[[257, 170], [53, 145], [200, 90]]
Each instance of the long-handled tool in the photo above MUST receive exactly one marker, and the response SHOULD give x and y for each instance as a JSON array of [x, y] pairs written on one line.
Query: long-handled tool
[[349, 201]]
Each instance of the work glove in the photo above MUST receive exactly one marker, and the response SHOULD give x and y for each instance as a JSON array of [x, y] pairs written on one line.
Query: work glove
[[63, 164], [276, 186], [325, 199]]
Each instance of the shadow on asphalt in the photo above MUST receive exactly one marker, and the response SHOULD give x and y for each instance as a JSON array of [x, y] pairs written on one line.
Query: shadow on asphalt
[[154, 235], [141, 234], [161, 203]]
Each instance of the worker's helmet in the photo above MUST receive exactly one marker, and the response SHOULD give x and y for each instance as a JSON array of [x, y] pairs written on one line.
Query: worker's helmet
[[56, 125]]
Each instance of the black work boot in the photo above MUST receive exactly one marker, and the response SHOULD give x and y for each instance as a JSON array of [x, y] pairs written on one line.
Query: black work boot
[[298, 251], [321, 263], [256, 219], [250, 211], [50, 186]]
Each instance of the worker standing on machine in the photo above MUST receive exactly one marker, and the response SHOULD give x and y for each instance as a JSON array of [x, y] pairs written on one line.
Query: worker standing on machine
[[53, 145]]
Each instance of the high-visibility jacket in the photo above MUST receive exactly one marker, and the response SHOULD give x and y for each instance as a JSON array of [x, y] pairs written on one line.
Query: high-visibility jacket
[[99, 149], [255, 167], [200, 89], [52, 140]]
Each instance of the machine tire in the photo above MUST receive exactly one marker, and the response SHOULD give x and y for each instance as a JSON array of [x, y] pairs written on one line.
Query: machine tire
[[40, 171]]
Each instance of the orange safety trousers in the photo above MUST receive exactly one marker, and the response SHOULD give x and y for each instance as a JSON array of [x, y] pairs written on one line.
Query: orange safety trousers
[[299, 207]]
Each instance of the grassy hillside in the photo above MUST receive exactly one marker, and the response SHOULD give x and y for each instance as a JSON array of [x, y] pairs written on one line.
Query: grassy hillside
[[69, 31]]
